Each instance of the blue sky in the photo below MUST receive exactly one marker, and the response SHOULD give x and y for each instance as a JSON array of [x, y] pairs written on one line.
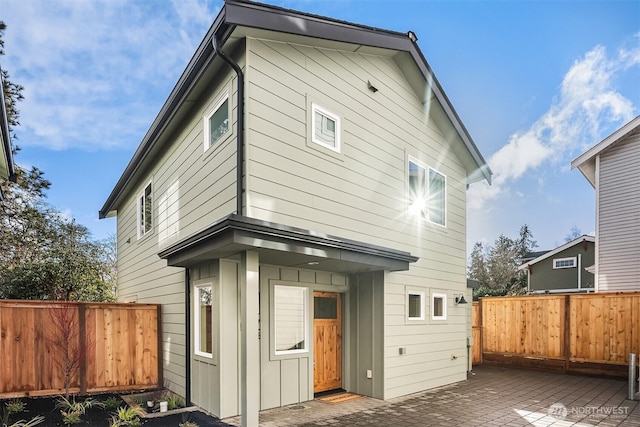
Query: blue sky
[[535, 83]]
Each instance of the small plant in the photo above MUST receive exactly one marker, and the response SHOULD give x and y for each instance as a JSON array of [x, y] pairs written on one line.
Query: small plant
[[127, 416], [174, 402], [188, 424], [112, 403], [72, 410], [15, 406], [22, 423], [137, 401]]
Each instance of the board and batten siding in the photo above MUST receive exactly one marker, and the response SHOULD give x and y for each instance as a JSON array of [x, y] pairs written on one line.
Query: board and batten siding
[[361, 192], [191, 189], [618, 217]]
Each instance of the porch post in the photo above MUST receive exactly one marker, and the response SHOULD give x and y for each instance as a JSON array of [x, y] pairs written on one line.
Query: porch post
[[249, 345]]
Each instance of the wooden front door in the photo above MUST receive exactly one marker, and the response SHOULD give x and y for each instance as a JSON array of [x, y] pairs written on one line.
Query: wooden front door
[[327, 331]]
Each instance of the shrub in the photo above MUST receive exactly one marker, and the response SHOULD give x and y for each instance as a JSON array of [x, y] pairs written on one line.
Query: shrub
[[127, 416], [112, 403], [15, 406]]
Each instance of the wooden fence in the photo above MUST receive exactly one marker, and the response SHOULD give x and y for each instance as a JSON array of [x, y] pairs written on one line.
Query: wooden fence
[[113, 347], [581, 333]]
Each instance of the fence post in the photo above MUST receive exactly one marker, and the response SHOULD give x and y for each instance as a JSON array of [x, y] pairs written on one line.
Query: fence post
[[567, 332], [82, 323]]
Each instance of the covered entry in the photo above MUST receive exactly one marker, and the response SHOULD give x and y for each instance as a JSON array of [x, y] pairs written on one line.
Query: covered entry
[[279, 295]]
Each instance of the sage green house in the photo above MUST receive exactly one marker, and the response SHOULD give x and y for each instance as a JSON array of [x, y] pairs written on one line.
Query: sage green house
[[563, 269], [298, 207]]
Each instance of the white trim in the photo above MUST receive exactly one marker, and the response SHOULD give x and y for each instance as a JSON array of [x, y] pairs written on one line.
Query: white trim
[[207, 118], [140, 218], [337, 147], [197, 320], [444, 213], [556, 261], [306, 337], [596, 261], [444, 306]]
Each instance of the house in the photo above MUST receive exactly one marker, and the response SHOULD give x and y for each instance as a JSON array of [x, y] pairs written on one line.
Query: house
[[7, 167], [562, 269], [298, 207], [612, 167]]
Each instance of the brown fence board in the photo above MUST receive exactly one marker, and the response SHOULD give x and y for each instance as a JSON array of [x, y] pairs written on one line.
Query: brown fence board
[[588, 333], [122, 343]]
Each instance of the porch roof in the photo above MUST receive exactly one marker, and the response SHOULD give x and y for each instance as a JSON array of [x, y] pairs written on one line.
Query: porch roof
[[283, 245]]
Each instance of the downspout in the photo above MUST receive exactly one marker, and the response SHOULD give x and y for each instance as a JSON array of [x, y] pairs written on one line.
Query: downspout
[[240, 125], [187, 335]]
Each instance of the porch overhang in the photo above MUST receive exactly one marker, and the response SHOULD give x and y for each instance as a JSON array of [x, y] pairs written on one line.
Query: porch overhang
[[283, 245]]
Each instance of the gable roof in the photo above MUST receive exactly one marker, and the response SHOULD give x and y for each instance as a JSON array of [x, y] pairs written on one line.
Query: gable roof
[[7, 167], [549, 254], [240, 17], [586, 163]]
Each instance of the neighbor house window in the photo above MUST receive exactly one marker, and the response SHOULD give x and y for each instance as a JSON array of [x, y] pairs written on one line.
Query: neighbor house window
[[290, 319], [427, 192], [203, 321], [325, 128], [216, 122], [145, 215], [415, 305], [438, 306], [564, 262]]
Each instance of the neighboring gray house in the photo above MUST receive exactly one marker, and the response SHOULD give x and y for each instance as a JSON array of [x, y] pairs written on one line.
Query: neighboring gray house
[[612, 167], [7, 167], [562, 269], [298, 207]]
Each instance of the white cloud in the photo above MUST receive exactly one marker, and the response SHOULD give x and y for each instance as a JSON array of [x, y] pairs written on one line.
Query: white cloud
[[95, 73], [586, 106]]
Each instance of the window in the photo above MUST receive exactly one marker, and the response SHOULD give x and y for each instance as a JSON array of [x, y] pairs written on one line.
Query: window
[[203, 321], [427, 193], [145, 215], [439, 306], [564, 263], [415, 305], [325, 128], [216, 122], [290, 319]]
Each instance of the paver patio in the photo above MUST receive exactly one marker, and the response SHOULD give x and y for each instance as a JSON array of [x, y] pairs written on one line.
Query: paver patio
[[490, 397]]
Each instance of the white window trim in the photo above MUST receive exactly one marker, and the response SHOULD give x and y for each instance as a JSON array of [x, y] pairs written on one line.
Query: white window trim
[[444, 306], [197, 320], [423, 210], [557, 260], [338, 145], [421, 294], [207, 117], [139, 226], [307, 336]]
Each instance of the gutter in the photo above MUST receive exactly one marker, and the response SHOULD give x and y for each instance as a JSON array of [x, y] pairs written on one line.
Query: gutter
[[240, 121]]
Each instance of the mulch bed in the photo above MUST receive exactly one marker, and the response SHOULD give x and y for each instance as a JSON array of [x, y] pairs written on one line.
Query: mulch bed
[[100, 417]]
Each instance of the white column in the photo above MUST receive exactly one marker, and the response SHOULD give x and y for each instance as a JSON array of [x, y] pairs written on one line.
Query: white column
[[249, 344]]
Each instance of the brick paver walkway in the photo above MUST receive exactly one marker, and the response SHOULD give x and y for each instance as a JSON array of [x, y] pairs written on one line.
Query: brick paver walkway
[[491, 397]]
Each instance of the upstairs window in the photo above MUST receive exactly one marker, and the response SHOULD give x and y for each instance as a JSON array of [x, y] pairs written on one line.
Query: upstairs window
[[216, 122], [325, 128], [427, 193], [564, 263], [145, 215]]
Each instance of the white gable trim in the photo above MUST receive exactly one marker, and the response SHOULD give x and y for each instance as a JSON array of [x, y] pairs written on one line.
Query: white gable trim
[[558, 250]]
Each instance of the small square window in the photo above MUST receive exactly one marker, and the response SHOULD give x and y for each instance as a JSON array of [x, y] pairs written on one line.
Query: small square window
[[415, 305], [203, 321], [325, 128], [439, 306], [216, 122], [145, 211]]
